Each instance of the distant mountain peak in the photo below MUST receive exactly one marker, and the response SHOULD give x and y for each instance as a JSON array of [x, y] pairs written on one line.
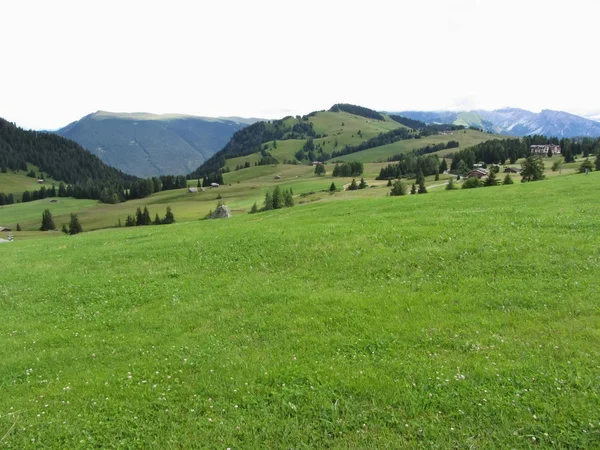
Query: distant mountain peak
[[515, 121]]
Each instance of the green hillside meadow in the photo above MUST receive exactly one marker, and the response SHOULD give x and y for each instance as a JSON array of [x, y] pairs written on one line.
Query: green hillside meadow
[[457, 319]]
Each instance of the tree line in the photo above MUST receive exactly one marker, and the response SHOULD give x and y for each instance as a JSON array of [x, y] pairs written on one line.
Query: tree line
[[276, 199], [390, 137], [357, 111], [409, 165], [348, 169], [142, 217], [427, 149]]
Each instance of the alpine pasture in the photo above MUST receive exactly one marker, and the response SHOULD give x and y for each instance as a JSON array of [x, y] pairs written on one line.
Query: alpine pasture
[[457, 319]]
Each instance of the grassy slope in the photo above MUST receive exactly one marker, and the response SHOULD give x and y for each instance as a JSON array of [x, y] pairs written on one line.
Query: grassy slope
[[329, 123], [455, 319], [381, 154], [17, 183]]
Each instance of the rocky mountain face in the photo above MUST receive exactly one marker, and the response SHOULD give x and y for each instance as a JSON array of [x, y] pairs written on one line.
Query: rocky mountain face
[[149, 145], [515, 121]]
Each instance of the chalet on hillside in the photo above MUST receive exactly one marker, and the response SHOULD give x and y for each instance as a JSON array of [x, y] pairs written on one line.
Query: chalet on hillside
[[317, 163], [511, 170], [479, 173], [41, 181], [543, 149]]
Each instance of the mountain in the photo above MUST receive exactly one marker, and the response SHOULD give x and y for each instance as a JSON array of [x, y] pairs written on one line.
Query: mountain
[[514, 121], [149, 145]]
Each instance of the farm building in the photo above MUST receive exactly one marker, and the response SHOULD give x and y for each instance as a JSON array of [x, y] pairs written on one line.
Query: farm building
[[4, 229], [41, 181], [192, 190], [214, 184], [543, 149], [479, 173]]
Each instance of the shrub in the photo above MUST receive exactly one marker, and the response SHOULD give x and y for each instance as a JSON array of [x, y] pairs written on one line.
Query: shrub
[[471, 183]]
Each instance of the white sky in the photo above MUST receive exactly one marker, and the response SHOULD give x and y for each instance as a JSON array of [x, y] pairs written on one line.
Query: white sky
[[64, 59]]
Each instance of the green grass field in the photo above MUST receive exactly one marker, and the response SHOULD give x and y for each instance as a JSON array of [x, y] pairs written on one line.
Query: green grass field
[[465, 319]]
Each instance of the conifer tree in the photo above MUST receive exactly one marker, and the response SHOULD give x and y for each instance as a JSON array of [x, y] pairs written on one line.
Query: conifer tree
[[156, 220], [278, 200], [139, 218], [169, 217], [491, 179], [597, 162], [362, 184], [119, 224], [65, 229], [254, 209], [19, 227], [450, 186], [146, 219], [332, 187], [130, 221], [320, 169], [74, 225], [47, 221], [353, 186], [422, 188], [389, 184], [413, 189], [508, 179], [268, 202]]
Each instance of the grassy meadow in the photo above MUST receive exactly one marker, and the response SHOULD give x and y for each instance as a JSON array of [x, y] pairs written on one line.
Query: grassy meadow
[[464, 319]]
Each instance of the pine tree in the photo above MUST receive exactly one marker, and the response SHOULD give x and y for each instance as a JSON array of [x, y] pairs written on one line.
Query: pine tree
[[508, 179], [169, 217], [278, 200], [450, 186], [47, 221], [597, 162], [65, 229], [199, 184], [288, 199], [139, 218], [586, 165], [398, 188], [332, 187], [156, 220], [146, 219], [19, 227], [362, 184], [389, 184], [420, 177], [268, 202], [74, 225], [491, 179], [413, 189], [320, 169], [254, 209], [119, 224], [422, 188], [130, 221], [443, 165], [353, 186]]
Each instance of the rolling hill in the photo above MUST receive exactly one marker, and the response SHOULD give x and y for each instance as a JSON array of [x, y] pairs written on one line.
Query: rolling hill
[[149, 145], [344, 132], [514, 121]]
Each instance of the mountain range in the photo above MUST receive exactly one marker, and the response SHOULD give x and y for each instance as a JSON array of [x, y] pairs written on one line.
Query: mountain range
[[148, 145], [514, 121]]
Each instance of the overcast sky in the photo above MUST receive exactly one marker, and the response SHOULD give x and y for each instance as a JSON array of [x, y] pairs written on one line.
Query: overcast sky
[[62, 60]]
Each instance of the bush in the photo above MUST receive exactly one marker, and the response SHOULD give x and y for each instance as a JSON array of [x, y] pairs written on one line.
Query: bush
[[398, 188], [471, 183]]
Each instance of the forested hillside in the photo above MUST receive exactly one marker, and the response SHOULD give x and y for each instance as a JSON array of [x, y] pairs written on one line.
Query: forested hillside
[[57, 157], [149, 145]]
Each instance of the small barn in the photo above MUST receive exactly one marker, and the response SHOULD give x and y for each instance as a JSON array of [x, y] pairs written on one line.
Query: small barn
[[41, 181], [192, 190], [479, 173], [511, 170]]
